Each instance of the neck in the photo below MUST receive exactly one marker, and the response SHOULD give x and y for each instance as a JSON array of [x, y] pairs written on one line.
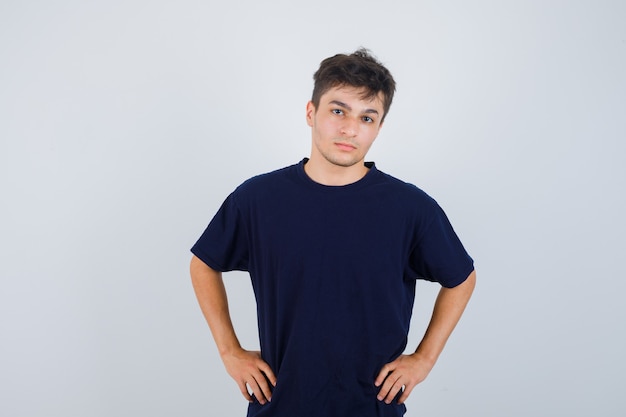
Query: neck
[[326, 173]]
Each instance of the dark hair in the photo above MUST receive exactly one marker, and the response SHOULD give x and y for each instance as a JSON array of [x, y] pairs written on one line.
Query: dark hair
[[359, 69]]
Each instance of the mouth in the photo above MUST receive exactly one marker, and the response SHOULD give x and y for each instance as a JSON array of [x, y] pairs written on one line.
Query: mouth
[[345, 146]]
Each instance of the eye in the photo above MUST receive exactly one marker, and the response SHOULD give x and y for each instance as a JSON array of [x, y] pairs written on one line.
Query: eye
[[337, 111], [368, 119]]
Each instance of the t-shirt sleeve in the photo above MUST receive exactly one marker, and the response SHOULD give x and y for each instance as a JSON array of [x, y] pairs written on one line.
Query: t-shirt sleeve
[[439, 255], [224, 244]]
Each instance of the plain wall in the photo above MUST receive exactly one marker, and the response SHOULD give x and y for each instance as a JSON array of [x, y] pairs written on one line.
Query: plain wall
[[124, 125]]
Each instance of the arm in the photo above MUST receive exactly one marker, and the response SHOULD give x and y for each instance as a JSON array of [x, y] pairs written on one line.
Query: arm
[[409, 370], [244, 367]]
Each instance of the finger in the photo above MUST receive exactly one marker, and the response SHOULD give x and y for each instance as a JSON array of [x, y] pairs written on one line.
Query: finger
[[393, 392], [384, 372], [269, 374], [257, 392], [243, 387], [388, 386], [263, 386], [405, 394], [265, 368]]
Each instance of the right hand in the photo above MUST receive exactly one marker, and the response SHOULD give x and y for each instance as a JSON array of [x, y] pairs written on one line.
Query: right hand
[[247, 368]]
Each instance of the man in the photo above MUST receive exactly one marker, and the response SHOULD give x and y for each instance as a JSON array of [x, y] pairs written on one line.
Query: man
[[333, 247]]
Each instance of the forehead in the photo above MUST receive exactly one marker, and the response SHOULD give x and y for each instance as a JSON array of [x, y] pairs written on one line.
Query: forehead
[[354, 96]]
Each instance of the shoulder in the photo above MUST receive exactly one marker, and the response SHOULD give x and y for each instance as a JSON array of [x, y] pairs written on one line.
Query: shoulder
[[267, 182], [405, 192]]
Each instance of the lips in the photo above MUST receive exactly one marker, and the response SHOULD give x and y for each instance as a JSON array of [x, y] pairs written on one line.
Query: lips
[[345, 146]]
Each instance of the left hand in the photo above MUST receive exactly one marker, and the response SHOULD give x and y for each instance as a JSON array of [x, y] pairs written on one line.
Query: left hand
[[406, 371]]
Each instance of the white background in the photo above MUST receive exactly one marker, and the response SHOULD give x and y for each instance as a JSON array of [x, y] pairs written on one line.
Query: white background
[[124, 124]]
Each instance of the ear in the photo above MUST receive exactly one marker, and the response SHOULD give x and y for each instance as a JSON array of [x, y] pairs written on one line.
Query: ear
[[310, 113]]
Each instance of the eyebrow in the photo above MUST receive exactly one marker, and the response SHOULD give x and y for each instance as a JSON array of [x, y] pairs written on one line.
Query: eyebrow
[[345, 106]]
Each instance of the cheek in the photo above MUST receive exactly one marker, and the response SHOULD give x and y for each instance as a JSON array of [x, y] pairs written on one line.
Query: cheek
[[328, 126], [369, 134], [367, 146]]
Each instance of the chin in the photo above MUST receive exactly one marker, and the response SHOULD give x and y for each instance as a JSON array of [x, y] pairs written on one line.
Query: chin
[[343, 162]]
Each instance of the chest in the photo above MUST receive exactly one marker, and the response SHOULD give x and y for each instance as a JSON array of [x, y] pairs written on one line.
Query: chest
[[341, 230]]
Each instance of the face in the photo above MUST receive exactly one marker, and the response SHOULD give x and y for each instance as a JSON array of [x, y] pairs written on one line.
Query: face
[[344, 126]]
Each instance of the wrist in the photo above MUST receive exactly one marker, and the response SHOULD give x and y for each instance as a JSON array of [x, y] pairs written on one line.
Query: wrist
[[425, 357], [229, 350]]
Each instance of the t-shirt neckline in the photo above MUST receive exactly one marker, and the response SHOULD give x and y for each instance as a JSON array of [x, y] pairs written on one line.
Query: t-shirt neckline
[[364, 181]]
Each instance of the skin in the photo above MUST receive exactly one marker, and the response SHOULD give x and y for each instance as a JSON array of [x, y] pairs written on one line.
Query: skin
[[343, 128], [409, 370], [245, 367]]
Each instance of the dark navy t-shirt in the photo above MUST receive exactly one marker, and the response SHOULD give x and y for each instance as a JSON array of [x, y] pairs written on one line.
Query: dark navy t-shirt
[[333, 270]]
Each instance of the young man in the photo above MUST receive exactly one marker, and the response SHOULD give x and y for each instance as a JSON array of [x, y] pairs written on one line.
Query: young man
[[333, 247]]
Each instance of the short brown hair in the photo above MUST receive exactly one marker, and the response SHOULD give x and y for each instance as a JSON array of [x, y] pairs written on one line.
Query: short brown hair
[[359, 69]]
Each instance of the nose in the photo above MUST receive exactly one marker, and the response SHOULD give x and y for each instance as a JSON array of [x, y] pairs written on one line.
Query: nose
[[349, 128]]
